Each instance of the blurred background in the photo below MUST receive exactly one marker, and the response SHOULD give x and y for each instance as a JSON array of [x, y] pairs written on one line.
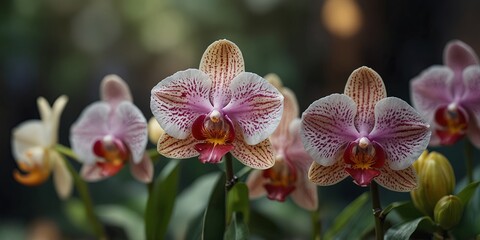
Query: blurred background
[[54, 47]]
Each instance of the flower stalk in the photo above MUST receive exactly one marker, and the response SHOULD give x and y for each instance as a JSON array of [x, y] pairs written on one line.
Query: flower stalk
[[231, 178], [377, 210], [316, 225]]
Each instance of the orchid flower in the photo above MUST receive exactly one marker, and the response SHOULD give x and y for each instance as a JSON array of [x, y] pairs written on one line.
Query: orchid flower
[[216, 109], [111, 133], [33, 146], [289, 174], [449, 96], [364, 134]]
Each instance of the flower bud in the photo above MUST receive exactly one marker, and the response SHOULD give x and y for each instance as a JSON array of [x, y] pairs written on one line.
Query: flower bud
[[435, 180], [448, 211], [154, 130]]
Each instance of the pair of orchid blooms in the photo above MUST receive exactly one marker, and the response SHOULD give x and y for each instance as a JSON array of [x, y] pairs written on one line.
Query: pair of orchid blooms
[[219, 109]]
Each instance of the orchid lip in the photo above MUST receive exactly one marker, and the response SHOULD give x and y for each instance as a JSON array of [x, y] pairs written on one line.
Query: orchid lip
[[363, 160]]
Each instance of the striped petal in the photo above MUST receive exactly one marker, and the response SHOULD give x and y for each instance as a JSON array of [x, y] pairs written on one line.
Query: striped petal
[[366, 88], [431, 90], [327, 175], [305, 193], [143, 171], [129, 124], [259, 156], [222, 61], [179, 99], [172, 147], [256, 106], [327, 127], [401, 132], [255, 183], [114, 90], [400, 181], [458, 55], [90, 126]]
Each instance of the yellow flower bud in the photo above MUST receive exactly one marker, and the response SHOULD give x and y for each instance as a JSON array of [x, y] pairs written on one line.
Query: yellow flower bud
[[154, 130], [448, 211], [435, 180]]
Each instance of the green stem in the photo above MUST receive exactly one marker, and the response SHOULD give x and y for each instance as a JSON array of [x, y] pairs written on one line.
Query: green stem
[[231, 178], [82, 189], [377, 209], [469, 160], [316, 225]]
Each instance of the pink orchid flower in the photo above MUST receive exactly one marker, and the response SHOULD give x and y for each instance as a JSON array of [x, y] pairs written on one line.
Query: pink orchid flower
[[110, 133], [289, 174], [216, 109], [364, 134], [449, 96]]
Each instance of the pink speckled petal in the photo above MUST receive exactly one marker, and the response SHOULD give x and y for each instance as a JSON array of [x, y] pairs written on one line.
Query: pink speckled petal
[[294, 150], [89, 127], [401, 132], [179, 99], [327, 127], [431, 90], [142, 171], [172, 147], [305, 193], [281, 135], [222, 61], [129, 124], [400, 181], [327, 175], [458, 55], [255, 182], [114, 90], [366, 88], [256, 106], [259, 156], [471, 99]]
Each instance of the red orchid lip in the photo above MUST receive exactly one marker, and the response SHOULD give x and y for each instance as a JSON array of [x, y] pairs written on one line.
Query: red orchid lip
[[452, 123], [364, 162]]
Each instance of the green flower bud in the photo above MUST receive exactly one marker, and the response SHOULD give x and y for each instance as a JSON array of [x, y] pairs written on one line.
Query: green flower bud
[[435, 180], [448, 211]]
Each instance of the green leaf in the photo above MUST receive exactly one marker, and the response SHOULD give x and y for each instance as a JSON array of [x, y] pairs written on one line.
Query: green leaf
[[408, 211], [467, 192], [237, 229], [119, 215], [343, 218], [161, 201], [214, 217], [403, 231], [238, 201], [391, 207]]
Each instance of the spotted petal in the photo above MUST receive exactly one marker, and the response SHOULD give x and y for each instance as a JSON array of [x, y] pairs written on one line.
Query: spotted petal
[[457, 55], [366, 88], [401, 132], [327, 127], [295, 151], [114, 90], [431, 90], [90, 126], [222, 61], [259, 156], [129, 125], [179, 99], [256, 106], [172, 147], [327, 175], [400, 181]]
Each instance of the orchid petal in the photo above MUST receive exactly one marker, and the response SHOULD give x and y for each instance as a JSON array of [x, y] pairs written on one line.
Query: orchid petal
[[143, 171], [222, 61], [90, 126], [431, 90], [295, 152], [57, 110], [113, 89], [172, 147], [129, 124], [259, 156], [471, 99], [305, 193], [457, 55], [327, 175], [255, 182], [275, 80], [61, 176], [366, 88], [92, 173], [327, 127], [290, 113], [473, 133], [256, 106], [397, 180], [44, 109], [179, 99], [28, 134], [401, 132]]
